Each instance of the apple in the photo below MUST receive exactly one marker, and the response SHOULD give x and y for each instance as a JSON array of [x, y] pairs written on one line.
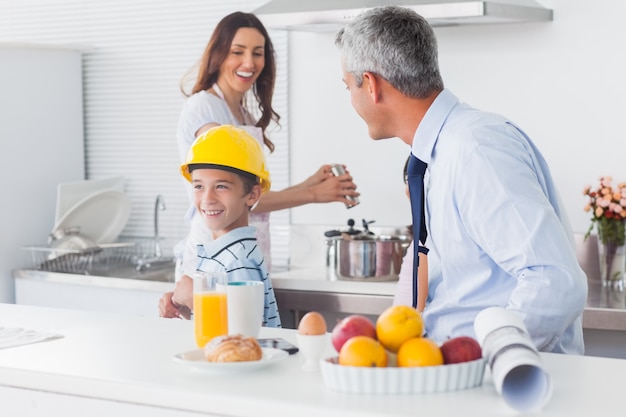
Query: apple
[[353, 325], [461, 349]]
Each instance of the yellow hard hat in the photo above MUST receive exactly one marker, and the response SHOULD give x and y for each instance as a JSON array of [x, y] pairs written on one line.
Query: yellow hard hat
[[231, 147]]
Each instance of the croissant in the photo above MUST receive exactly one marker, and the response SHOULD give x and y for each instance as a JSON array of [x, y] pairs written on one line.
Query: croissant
[[233, 348]]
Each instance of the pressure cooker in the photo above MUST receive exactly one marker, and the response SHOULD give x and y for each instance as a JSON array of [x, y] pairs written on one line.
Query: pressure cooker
[[361, 255]]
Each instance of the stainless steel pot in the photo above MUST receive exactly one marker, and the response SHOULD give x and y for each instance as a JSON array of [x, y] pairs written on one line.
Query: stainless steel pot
[[365, 257]]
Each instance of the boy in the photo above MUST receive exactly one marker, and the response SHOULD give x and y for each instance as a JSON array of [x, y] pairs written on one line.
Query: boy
[[228, 173]]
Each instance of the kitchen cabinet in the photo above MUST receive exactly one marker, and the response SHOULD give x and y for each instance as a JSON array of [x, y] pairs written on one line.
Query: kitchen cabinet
[[89, 293], [41, 130], [332, 305], [27, 403], [301, 290]]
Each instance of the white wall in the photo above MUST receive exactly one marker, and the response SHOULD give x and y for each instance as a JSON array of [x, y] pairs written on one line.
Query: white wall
[[562, 81], [36, 153], [135, 53]]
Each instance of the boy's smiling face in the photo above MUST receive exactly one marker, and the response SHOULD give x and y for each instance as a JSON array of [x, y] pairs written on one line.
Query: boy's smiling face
[[222, 200]]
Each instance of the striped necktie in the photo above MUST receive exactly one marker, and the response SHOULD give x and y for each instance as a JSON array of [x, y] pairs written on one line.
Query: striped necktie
[[415, 176]]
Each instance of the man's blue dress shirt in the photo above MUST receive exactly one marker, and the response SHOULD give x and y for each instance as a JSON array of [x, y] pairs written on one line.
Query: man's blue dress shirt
[[497, 232]]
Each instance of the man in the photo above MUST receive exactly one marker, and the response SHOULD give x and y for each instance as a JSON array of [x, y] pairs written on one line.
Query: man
[[497, 233]]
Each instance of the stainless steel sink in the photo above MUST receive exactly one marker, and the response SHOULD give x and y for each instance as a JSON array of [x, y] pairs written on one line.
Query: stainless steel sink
[[161, 270], [123, 260]]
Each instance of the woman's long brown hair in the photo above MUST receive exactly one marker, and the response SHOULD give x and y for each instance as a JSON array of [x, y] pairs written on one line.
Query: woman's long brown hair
[[215, 54]]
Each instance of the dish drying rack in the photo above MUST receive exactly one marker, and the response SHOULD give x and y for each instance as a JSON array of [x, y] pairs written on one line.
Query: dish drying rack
[[89, 261]]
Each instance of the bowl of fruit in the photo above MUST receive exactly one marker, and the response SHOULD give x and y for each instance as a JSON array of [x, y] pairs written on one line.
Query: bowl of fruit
[[392, 357]]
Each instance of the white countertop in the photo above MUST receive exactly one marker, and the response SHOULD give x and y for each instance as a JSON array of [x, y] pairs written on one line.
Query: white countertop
[[605, 310], [297, 279], [128, 359], [304, 279]]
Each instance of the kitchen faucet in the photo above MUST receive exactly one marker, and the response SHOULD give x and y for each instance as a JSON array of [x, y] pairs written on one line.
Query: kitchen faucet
[[159, 204], [143, 264]]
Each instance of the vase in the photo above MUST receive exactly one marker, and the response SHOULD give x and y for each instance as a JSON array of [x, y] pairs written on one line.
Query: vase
[[612, 255]]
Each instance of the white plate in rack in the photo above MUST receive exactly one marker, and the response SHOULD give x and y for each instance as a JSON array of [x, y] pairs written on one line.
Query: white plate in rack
[[70, 193], [195, 359], [100, 216]]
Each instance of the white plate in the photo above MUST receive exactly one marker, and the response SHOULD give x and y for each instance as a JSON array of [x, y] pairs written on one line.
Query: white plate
[[196, 360], [101, 216], [70, 193], [392, 380]]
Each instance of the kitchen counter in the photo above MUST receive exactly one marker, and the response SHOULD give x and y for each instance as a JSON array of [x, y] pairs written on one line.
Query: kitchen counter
[[302, 279], [301, 290], [122, 365], [605, 309], [309, 289]]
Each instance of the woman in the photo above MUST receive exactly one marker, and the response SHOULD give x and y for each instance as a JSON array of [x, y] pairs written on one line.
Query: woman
[[237, 67]]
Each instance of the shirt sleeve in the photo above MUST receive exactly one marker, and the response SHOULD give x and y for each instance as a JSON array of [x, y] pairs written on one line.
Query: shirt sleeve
[[511, 216], [199, 109]]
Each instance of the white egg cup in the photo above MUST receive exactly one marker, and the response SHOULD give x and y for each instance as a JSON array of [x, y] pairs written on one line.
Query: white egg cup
[[312, 348]]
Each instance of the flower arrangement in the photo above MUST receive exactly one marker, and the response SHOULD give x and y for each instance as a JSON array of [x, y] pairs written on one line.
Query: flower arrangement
[[608, 211]]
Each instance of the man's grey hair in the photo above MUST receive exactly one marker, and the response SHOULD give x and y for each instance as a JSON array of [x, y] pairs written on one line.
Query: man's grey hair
[[395, 43]]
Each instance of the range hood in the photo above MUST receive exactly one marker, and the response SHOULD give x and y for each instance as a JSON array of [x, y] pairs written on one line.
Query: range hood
[[331, 15]]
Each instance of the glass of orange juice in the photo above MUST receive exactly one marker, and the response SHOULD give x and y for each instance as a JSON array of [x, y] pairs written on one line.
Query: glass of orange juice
[[210, 309]]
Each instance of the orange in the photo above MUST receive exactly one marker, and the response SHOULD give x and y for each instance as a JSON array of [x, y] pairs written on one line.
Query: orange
[[396, 325], [419, 351], [363, 351]]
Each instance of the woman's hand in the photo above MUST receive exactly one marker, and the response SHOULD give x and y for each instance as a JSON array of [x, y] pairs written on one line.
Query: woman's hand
[[335, 188], [326, 187], [321, 187], [322, 174]]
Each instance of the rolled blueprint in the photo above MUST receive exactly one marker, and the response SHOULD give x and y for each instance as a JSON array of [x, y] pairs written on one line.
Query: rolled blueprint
[[515, 364]]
